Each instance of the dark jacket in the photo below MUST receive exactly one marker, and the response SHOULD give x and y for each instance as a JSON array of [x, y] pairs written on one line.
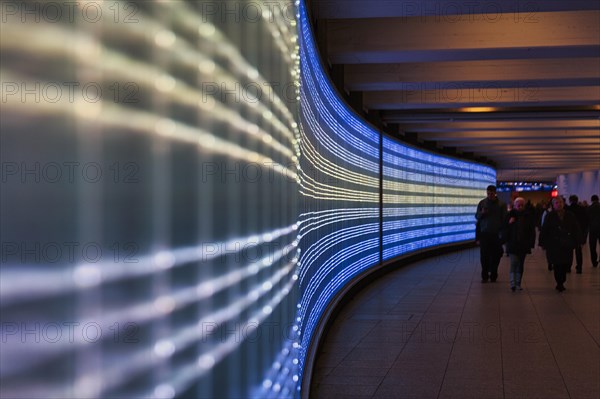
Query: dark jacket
[[490, 221], [520, 235], [559, 237], [581, 216], [593, 214]]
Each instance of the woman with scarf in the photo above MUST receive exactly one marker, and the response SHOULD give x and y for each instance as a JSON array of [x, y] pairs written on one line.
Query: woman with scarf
[[520, 238]]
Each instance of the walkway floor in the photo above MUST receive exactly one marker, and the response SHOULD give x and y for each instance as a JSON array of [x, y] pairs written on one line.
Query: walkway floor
[[433, 330]]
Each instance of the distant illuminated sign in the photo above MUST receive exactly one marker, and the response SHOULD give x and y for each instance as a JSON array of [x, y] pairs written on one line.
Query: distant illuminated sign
[[525, 186]]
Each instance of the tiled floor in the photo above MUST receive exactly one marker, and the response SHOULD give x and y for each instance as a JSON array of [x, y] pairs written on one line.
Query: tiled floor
[[433, 330]]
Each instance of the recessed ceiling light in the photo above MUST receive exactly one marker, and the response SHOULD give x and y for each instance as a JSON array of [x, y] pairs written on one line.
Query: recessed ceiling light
[[478, 109]]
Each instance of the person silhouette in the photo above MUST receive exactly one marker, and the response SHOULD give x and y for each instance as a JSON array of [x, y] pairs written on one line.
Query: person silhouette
[[490, 215]]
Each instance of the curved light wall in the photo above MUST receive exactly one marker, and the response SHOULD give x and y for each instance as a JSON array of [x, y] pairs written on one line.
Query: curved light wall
[[426, 199], [184, 194], [339, 226]]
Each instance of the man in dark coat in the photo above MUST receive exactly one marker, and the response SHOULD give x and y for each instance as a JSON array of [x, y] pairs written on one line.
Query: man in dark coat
[[593, 213], [581, 216], [560, 235], [520, 238], [491, 215]]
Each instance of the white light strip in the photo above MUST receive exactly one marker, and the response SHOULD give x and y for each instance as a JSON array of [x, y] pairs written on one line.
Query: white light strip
[[182, 378], [113, 116], [17, 285], [58, 42]]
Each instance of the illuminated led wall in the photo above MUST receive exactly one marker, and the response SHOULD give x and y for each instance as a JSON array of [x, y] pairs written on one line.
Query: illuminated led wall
[[184, 194], [426, 200], [339, 225]]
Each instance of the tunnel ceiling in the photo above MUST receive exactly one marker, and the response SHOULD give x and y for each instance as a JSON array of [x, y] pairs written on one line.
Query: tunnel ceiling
[[513, 83]]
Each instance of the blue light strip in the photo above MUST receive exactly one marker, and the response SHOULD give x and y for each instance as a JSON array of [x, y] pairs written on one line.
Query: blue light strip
[[339, 174], [428, 199]]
